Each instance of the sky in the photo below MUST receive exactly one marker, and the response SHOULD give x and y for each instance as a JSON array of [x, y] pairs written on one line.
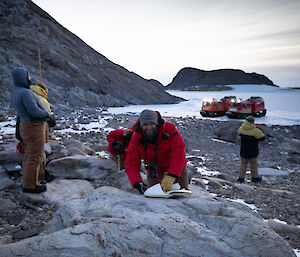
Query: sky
[[157, 38]]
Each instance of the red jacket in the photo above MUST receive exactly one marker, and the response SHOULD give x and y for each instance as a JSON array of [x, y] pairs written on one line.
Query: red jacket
[[117, 135], [170, 155]]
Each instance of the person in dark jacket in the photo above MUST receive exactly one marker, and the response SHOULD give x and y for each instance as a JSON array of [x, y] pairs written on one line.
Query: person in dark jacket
[[162, 148], [250, 136], [33, 116], [118, 141]]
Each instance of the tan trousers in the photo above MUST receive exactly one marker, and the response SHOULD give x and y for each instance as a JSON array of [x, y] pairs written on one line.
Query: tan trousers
[[253, 167], [33, 136], [183, 180], [46, 133]]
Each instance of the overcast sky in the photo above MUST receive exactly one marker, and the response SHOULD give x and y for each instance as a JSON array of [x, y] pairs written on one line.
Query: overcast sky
[[156, 38]]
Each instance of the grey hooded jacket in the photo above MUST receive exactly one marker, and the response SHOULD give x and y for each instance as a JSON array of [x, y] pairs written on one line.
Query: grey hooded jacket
[[27, 104]]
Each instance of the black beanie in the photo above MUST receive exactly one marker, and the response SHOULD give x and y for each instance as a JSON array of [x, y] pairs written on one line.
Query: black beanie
[[148, 116]]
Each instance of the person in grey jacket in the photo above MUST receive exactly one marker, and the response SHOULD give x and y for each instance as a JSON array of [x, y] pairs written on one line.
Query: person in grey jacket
[[33, 116]]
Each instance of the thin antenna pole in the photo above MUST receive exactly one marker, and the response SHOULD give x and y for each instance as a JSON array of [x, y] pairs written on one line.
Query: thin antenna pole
[[40, 66]]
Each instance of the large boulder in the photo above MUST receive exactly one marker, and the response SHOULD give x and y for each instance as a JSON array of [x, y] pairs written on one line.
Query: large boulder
[[227, 131], [76, 147], [6, 205], [82, 167], [8, 154], [100, 171], [60, 191], [58, 150], [112, 222], [292, 147]]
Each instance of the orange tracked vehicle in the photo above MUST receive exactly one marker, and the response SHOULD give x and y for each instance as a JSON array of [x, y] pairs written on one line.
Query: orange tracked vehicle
[[227, 100], [212, 108]]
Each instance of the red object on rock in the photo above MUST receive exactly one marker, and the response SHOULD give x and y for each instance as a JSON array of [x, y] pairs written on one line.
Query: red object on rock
[[20, 150]]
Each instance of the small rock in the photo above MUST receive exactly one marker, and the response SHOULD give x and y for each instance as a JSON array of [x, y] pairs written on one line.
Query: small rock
[[7, 239], [15, 220], [25, 225], [6, 183], [6, 205], [272, 172], [21, 234], [244, 188]]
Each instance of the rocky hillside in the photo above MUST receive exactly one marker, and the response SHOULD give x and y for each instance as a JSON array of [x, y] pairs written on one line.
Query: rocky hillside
[[74, 72], [195, 79]]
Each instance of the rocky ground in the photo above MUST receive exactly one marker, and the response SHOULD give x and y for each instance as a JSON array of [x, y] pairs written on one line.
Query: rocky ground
[[213, 158]]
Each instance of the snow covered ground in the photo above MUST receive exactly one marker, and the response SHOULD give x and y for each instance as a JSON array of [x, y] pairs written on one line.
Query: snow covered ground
[[283, 105]]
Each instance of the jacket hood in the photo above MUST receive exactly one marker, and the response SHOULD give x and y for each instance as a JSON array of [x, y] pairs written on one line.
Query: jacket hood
[[247, 126], [38, 90], [20, 77]]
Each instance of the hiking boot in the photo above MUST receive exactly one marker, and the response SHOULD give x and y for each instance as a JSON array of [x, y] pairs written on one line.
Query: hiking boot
[[240, 180], [36, 190], [258, 179], [49, 178]]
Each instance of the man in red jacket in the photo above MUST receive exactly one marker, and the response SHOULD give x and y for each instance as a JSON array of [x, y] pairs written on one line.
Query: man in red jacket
[[118, 141], [162, 148]]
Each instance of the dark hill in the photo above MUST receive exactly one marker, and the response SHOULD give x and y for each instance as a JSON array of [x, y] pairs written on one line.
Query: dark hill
[[74, 72], [195, 79]]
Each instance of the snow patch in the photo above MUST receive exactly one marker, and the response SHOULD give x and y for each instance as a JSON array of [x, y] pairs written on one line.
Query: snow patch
[[297, 252], [222, 141], [204, 172], [251, 206]]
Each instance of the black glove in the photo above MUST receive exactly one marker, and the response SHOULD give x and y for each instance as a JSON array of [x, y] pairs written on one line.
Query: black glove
[[116, 145], [51, 121], [140, 186]]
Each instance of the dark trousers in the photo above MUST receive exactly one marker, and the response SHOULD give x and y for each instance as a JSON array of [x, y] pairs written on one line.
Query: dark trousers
[[33, 166], [183, 179]]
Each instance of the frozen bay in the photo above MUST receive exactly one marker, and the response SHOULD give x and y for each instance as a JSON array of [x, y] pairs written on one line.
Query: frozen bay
[[283, 105]]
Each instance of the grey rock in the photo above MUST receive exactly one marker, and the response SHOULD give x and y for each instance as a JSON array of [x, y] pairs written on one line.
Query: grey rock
[[6, 183], [9, 155], [280, 227], [48, 149], [7, 239], [112, 222], [227, 131], [292, 146], [272, 172], [76, 147], [60, 191], [244, 187], [82, 167], [6, 205], [15, 219], [294, 158], [58, 151], [21, 234], [100, 147]]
